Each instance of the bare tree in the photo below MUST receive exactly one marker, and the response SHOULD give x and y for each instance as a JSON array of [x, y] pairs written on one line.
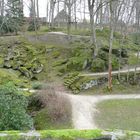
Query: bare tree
[[69, 4], [110, 44], [91, 5], [52, 8], [137, 6], [2, 8], [37, 11]]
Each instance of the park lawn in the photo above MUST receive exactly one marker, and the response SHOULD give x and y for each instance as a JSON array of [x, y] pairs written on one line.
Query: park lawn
[[119, 114]]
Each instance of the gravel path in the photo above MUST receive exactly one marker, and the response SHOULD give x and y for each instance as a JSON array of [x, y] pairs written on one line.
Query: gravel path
[[113, 72], [84, 108]]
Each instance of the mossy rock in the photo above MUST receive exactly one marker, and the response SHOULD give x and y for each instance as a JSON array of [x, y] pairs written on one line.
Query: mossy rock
[[12, 76], [28, 65], [62, 69], [37, 67], [23, 58], [8, 64], [76, 63], [115, 63], [56, 54], [26, 72], [60, 62], [98, 65], [1, 62]]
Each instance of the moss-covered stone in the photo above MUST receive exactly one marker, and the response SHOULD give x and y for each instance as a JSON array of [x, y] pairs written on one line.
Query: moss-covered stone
[[26, 72], [12, 76], [98, 65], [70, 134]]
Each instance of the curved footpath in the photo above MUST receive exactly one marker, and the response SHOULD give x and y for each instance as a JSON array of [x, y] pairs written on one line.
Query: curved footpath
[[84, 108], [113, 72]]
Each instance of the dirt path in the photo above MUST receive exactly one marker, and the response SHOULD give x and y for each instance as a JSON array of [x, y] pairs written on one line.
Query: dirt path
[[113, 72], [82, 111], [84, 108]]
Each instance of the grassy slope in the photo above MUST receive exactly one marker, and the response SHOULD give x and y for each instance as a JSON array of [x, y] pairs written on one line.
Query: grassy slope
[[119, 114], [59, 53]]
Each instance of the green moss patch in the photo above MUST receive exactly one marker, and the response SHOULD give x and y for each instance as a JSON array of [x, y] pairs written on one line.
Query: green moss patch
[[12, 76], [71, 134], [68, 134]]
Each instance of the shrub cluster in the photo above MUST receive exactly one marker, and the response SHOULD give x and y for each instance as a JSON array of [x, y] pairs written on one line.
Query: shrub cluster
[[13, 105]]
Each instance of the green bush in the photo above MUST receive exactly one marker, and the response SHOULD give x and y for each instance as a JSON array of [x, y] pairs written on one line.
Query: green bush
[[115, 63], [13, 105], [31, 26], [77, 63], [136, 38], [98, 65]]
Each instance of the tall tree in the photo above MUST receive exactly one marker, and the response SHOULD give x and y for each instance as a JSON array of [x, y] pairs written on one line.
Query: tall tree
[[69, 4], [37, 12], [137, 6], [52, 8], [91, 6], [111, 2], [2, 8]]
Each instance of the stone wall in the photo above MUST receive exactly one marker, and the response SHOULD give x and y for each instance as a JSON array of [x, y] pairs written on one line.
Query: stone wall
[[70, 135]]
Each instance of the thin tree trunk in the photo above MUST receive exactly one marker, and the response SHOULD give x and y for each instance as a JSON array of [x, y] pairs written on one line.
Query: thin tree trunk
[[47, 12], [37, 11], [92, 27], [75, 14], [52, 13], [110, 47], [2, 8], [101, 14], [34, 16], [135, 74], [69, 21]]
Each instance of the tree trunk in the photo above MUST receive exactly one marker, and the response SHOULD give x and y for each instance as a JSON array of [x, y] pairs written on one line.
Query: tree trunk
[[135, 74], [2, 8], [75, 14], [69, 21], [37, 12], [47, 12], [92, 26], [101, 14], [52, 13], [110, 46], [93, 33]]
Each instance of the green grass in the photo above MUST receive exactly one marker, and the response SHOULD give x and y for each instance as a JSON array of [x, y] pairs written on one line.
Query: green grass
[[133, 60], [43, 121], [119, 114], [68, 134], [71, 133]]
